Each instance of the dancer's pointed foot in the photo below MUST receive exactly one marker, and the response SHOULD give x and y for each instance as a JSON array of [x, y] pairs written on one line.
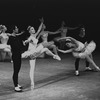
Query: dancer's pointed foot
[[57, 57], [32, 86], [97, 68], [88, 69]]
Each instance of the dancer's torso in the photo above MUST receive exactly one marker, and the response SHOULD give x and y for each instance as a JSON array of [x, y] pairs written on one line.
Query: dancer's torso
[[32, 43], [4, 38], [44, 37], [80, 46]]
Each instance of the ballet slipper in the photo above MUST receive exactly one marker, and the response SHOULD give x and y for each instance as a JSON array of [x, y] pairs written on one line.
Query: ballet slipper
[[97, 68], [32, 86]]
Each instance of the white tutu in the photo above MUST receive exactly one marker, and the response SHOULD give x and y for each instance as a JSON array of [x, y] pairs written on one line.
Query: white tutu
[[88, 50], [7, 50], [90, 47], [5, 47], [33, 52]]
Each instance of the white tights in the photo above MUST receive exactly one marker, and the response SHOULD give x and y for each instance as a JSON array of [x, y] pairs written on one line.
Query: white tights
[[32, 68]]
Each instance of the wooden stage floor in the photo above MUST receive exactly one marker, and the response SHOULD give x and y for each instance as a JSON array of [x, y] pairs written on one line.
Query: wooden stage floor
[[54, 80]]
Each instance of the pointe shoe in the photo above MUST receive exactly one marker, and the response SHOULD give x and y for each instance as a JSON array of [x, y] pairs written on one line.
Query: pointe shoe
[[88, 69], [17, 89], [32, 87], [97, 68], [57, 57]]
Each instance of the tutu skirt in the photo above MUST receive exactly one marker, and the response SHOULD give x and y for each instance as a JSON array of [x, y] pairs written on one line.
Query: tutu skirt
[[88, 50], [33, 52], [5, 47]]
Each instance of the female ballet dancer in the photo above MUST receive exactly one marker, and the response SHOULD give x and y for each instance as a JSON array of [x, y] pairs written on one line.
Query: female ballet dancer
[[4, 39], [63, 33], [80, 35], [4, 47], [44, 36], [80, 50], [35, 50]]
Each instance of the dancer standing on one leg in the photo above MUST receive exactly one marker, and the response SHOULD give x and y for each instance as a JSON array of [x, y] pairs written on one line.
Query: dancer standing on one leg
[[35, 50], [32, 46], [80, 50]]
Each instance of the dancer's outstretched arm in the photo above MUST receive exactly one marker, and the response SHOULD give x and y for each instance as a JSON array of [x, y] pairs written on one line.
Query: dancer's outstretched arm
[[69, 39], [20, 33], [51, 33], [65, 27], [40, 28], [65, 51], [8, 34], [28, 40]]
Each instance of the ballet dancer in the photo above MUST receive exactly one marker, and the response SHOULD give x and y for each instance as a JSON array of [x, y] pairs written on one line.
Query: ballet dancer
[[44, 36], [35, 50], [80, 35], [4, 38], [80, 50], [63, 33]]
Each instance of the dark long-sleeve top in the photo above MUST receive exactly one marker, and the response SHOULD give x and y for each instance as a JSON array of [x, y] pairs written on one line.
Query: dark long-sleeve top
[[75, 34], [16, 44]]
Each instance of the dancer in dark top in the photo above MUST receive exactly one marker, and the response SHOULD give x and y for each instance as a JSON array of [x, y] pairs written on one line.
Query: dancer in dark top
[[16, 48]]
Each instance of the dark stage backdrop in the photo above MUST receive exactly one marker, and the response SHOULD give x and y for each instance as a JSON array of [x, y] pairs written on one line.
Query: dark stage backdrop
[[73, 12]]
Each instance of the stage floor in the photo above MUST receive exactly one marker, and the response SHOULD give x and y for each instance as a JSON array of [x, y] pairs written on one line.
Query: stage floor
[[54, 80]]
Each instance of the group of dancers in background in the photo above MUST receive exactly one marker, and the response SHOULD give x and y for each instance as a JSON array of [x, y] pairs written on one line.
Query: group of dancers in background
[[13, 44]]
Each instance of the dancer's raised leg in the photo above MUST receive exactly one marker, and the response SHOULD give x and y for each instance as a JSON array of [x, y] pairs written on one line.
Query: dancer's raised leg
[[48, 52]]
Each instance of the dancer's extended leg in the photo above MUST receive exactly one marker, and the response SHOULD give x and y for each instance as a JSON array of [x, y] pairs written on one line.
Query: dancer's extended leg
[[48, 52], [54, 49], [92, 62]]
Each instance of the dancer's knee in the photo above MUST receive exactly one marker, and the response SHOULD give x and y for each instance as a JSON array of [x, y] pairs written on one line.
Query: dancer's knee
[[45, 49]]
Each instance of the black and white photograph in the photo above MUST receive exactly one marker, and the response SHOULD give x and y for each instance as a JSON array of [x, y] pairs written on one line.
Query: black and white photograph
[[49, 50]]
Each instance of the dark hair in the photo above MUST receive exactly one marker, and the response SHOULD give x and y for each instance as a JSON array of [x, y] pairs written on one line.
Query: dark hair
[[28, 28]]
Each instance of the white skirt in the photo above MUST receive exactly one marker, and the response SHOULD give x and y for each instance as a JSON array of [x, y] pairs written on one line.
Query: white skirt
[[88, 50], [5, 47], [33, 52]]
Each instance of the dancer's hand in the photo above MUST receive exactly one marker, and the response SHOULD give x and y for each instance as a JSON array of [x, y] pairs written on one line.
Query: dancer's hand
[[41, 20], [57, 39]]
